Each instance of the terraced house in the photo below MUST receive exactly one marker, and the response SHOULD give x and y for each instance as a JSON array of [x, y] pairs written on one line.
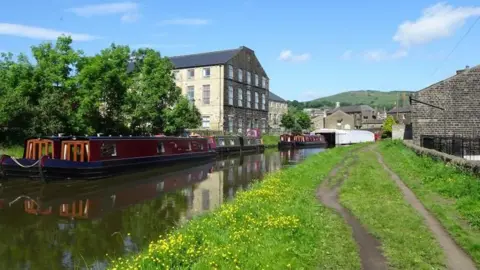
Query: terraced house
[[229, 87]]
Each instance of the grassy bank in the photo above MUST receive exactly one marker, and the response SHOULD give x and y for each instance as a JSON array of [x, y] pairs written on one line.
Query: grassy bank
[[277, 224], [378, 203], [15, 151], [451, 195], [270, 140]]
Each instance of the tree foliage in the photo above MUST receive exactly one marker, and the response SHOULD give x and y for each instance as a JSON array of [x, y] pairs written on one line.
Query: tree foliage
[[296, 120], [65, 91], [387, 125], [303, 120], [288, 120]]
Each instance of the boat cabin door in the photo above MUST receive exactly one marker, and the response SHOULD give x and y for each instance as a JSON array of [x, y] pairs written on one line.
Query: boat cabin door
[[76, 151], [36, 148]]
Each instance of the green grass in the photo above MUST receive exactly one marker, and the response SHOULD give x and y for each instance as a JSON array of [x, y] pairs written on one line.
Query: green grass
[[277, 224], [451, 195], [270, 140], [15, 151], [377, 202], [367, 97]]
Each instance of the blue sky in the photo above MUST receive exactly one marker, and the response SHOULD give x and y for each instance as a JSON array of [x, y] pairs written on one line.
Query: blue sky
[[308, 48]]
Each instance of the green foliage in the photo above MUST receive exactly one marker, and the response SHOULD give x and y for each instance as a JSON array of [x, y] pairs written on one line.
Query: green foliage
[[270, 140], [68, 92], [387, 125], [303, 120], [287, 121], [276, 224], [373, 197], [448, 193]]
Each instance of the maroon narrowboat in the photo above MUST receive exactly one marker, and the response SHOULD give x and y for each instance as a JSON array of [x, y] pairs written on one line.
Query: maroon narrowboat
[[301, 141], [54, 158]]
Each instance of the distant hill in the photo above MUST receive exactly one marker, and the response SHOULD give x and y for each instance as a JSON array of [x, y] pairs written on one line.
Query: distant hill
[[373, 98]]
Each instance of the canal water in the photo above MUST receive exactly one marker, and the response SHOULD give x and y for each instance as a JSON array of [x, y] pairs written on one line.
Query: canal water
[[83, 224]]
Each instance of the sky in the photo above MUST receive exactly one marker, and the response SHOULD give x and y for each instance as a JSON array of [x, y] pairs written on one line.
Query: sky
[[309, 49]]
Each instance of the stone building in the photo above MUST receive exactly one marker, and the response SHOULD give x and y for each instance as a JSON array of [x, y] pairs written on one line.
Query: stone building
[[402, 115], [459, 95], [358, 112], [230, 88], [277, 108], [340, 120]]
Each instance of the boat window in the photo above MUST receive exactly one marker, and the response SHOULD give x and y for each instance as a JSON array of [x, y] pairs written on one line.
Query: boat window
[[221, 142], [232, 142], [190, 146], [201, 146], [108, 150], [160, 148]]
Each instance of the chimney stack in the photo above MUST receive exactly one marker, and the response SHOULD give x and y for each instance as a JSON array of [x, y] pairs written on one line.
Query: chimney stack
[[337, 104]]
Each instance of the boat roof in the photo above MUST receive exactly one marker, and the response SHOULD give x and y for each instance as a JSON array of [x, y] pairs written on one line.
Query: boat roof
[[106, 138]]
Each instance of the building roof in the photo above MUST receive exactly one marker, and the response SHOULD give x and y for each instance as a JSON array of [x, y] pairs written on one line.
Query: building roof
[[204, 59], [461, 76], [275, 98], [405, 109], [352, 109]]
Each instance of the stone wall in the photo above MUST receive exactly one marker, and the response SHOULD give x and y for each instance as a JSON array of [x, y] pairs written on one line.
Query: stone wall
[[461, 163], [459, 96]]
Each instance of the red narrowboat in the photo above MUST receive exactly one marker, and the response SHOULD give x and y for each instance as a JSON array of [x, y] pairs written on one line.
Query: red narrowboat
[[54, 158], [301, 141]]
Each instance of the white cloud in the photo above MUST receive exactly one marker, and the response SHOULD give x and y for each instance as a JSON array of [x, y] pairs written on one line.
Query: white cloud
[[437, 21], [288, 56], [128, 10], [154, 46], [381, 55], [184, 21], [39, 33], [347, 55]]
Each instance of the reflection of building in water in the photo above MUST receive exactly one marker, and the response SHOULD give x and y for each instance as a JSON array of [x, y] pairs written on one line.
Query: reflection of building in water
[[208, 194]]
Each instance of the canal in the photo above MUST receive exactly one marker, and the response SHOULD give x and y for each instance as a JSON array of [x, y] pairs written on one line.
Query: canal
[[83, 224]]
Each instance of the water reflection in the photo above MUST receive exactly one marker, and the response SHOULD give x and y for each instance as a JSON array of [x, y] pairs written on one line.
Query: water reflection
[[74, 225]]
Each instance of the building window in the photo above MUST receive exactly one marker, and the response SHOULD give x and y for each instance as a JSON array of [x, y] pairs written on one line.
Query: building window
[[275, 119], [263, 102], [230, 124], [264, 82], [206, 94], [206, 121], [249, 77], [176, 74], [256, 79], [240, 74], [191, 93], [240, 125], [256, 100], [206, 72], [191, 73], [249, 99], [263, 126], [230, 71], [230, 95], [240, 97]]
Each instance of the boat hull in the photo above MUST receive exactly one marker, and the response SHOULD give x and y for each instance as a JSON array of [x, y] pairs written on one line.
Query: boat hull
[[309, 144], [55, 169], [286, 144]]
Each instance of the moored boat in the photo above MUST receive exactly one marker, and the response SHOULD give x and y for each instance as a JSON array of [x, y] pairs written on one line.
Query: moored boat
[[93, 157], [230, 143], [301, 141]]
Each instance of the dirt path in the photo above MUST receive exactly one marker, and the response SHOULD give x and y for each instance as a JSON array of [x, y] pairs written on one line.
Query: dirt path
[[370, 253], [457, 259]]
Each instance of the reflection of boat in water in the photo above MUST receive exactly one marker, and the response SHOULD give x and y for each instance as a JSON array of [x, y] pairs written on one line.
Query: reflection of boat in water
[[92, 200]]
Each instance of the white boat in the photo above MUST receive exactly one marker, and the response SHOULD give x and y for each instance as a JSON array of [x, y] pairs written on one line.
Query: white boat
[[345, 137]]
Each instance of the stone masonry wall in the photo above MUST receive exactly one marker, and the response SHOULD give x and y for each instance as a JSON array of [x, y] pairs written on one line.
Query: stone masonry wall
[[460, 96]]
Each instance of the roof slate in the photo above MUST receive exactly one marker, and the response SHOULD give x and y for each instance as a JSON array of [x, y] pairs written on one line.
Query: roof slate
[[405, 109], [204, 59], [352, 109], [276, 98]]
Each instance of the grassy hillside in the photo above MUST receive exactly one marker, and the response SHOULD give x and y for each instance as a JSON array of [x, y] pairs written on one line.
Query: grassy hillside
[[368, 97]]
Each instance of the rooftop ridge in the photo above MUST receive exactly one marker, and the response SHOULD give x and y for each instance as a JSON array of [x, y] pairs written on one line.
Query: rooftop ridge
[[205, 53]]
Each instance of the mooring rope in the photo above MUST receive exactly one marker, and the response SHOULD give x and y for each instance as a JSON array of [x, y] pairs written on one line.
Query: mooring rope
[[22, 197], [25, 166]]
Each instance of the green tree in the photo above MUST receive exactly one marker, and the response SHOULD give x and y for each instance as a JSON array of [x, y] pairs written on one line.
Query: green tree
[[288, 121], [303, 120], [183, 116], [55, 83], [153, 91], [387, 125], [103, 84]]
